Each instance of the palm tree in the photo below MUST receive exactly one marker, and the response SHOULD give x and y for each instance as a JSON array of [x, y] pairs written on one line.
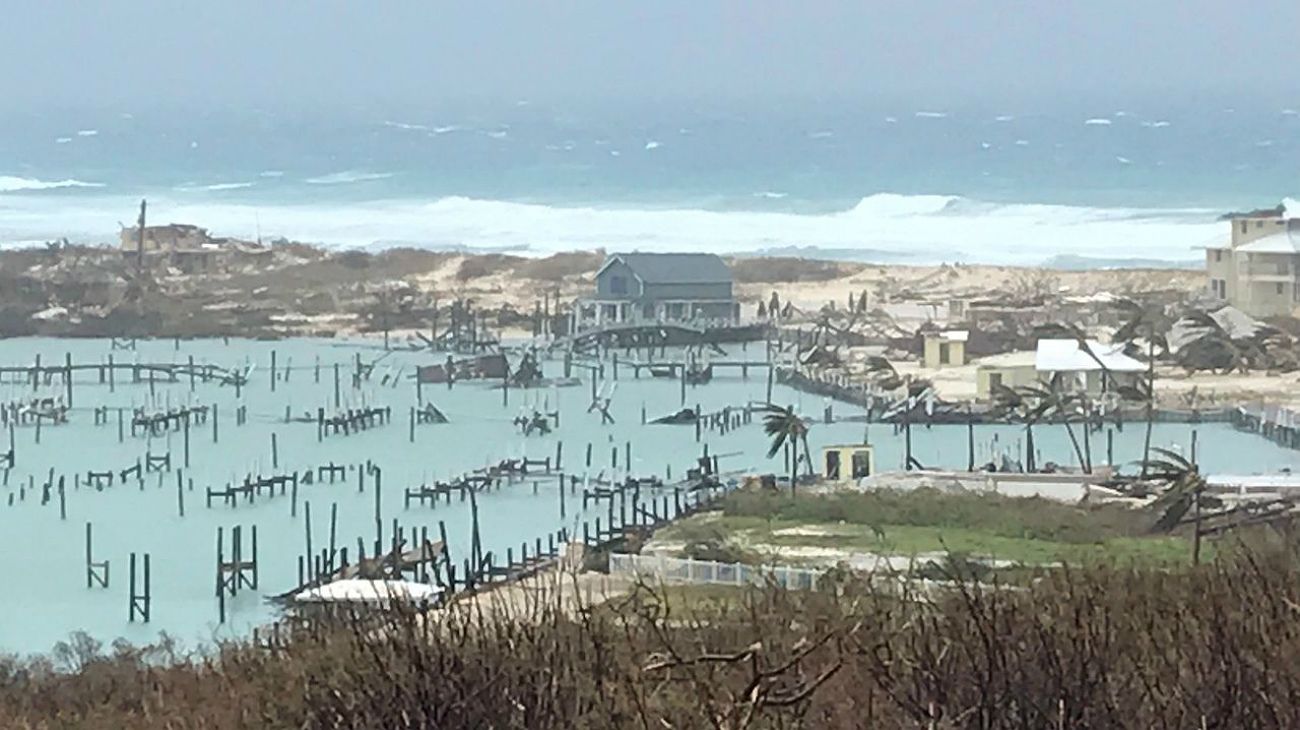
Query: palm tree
[[1011, 403], [1054, 401], [1185, 494], [1150, 322], [786, 427]]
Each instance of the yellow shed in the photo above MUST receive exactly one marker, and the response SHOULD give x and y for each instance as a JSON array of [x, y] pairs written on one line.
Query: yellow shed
[[1013, 369], [945, 349], [847, 464]]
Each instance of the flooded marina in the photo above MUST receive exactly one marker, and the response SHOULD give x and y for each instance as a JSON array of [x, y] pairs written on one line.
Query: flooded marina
[[45, 594]]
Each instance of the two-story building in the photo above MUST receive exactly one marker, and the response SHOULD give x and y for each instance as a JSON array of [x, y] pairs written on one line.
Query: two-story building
[[636, 288], [1258, 270]]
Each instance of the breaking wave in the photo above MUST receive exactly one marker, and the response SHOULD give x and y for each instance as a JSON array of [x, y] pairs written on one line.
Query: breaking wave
[[910, 228], [347, 176], [9, 184]]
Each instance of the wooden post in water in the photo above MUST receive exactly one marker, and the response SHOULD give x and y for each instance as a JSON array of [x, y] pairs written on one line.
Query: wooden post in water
[[306, 510], [186, 437], [110, 372], [275, 452], [67, 375], [336, 386], [379, 518], [180, 493], [274, 374], [214, 423], [139, 600]]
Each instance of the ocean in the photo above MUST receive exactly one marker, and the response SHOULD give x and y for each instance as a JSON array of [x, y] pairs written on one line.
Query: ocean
[[916, 185]]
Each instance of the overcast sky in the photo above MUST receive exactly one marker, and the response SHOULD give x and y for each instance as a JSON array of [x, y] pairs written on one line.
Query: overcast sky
[[283, 52]]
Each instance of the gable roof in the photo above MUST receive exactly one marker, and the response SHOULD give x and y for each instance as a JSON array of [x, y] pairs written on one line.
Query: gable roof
[[673, 268]]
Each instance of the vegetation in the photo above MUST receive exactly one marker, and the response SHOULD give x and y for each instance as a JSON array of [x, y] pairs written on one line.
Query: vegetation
[[787, 429], [1099, 646]]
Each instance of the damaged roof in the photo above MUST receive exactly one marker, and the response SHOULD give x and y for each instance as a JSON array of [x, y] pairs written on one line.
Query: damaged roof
[[1057, 356]]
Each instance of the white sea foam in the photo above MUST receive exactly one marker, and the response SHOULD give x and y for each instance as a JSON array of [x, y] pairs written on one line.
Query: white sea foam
[[1098, 122], [1003, 118], [271, 173], [1158, 124], [62, 140], [770, 195], [498, 134], [615, 153], [919, 228], [652, 145], [891, 120], [986, 146], [931, 115], [1123, 160], [406, 126], [821, 134], [216, 187], [446, 129], [1022, 143], [347, 176], [10, 184], [87, 132]]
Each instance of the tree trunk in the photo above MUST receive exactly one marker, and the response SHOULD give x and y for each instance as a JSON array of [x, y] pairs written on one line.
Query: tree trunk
[[1196, 537], [1029, 448], [1078, 452], [808, 454], [1151, 403]]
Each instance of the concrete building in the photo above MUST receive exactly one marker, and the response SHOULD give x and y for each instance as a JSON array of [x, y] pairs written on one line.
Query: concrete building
[[1258, 270], [847, 464], [1063, 360], [945, 349], [637, 288]]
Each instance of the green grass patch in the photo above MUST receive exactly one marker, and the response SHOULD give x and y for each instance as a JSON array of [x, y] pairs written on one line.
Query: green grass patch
[[765, 527]]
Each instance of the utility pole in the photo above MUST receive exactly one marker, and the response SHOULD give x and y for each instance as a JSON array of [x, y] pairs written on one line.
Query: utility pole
[[139, 241]]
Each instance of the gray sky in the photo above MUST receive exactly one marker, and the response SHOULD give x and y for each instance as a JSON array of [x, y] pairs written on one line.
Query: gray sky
[[285, 52]]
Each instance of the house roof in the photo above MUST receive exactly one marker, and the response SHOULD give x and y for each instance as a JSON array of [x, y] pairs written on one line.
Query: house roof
[[1284, 241], [1067, 356], [673, 268], [1017, 359]]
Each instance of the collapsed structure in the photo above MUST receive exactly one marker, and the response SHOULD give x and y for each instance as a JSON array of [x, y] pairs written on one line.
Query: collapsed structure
[[188, 248]]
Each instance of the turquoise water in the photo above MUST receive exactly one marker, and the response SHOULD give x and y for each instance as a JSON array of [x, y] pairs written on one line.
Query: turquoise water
[[44, 596], [878, 183]]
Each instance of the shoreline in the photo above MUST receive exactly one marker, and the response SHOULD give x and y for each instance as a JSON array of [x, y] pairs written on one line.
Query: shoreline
[[302, 290]]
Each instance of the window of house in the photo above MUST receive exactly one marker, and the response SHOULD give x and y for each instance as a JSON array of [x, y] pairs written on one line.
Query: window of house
[[1218, 256], [1259, 224], [995, 380], [833, 465], [944, 356], [1279, 288], [1244, 225], [618, 285], [861, 464]]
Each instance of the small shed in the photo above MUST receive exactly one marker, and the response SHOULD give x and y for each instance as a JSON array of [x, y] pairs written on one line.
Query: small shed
[[945, 349], [1012, 369], [847, 464]]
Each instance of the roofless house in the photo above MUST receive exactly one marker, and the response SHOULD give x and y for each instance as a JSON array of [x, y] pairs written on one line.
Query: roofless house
[[642, 288]]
